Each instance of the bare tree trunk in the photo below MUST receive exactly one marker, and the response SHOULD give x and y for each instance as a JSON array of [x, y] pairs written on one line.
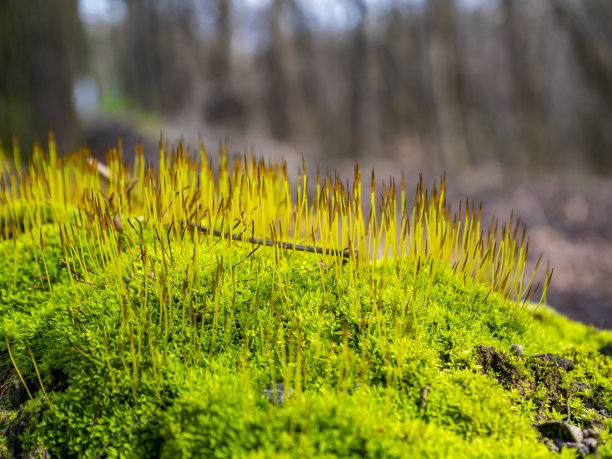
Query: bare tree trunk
[[402, 105], [445, 83], [391, 107], [527, 106], [276, 86], [158, 73], [396, 96], [595, 61], [596, 67], [40, 52], [221, 59], [142, 73], [222, 106], [357, 74], [313, 98]]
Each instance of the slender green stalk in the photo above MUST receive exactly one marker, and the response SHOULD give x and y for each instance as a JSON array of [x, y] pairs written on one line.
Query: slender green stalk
[[8, 348], [42, 386]]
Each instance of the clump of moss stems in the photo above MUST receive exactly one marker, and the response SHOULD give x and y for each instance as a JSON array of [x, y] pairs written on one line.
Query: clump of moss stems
[[128, 230]]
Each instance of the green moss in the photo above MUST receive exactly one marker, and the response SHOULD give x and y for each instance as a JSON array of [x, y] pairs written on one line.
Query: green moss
[[154, 341]]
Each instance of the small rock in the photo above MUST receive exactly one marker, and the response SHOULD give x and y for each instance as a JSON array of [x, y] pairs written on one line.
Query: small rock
[[38, 453], [517, 348], [562, 362], [580, 448], [603, 410], [14, 392], [550, 445], [503, 369], [606, 350], [592, 433], [591, 443], [577, 386], [280, 392], [560, 430]]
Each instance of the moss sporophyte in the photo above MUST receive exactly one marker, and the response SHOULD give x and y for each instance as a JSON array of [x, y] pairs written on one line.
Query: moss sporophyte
[[199, 310]]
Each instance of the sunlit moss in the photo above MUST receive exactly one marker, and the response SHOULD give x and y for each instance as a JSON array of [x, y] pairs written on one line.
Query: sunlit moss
[[155, 308]]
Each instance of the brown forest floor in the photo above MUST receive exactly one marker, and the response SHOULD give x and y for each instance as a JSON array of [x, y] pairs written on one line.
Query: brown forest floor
[[570, 222]]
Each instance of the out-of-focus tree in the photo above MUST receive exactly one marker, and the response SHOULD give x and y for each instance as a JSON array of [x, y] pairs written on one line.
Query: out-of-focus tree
[[157, 54], [445, 83], [401, 67], [525, 104], [222, 52], [315, 115], [588, 25], [357, 78], [525, 84], [41, 50], [222, 106], [277, 100]]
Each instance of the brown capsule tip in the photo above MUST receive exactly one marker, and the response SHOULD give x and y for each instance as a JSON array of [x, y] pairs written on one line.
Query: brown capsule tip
[[118, 225]]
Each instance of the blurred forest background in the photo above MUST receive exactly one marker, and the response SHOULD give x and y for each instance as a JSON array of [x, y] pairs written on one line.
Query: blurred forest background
[[511, 98]]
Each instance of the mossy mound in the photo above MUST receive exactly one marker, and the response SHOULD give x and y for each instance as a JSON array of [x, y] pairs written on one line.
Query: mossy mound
[[131, 334]]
